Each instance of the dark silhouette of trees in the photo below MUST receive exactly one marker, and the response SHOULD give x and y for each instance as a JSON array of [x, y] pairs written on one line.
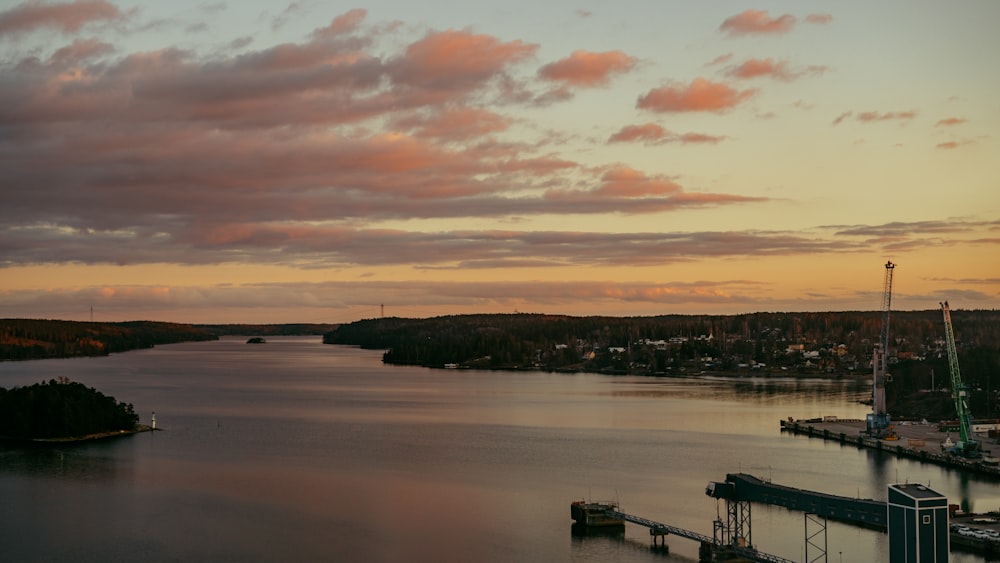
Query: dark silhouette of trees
[[33, 339], [290, 329], [820, 343], [61, 409]]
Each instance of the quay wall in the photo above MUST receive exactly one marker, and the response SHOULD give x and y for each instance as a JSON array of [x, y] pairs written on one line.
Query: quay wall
[[900, 450]]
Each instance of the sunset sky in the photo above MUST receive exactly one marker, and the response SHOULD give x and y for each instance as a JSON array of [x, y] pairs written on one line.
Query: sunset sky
[[270, 162]]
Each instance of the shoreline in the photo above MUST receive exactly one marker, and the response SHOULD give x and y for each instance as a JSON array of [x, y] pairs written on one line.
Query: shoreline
[[70, 440]]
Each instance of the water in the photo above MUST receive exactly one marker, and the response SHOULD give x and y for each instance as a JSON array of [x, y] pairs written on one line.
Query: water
[[298, 451]]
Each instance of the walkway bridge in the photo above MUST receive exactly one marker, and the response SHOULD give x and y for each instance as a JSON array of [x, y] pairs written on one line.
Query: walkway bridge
[[709, 545]]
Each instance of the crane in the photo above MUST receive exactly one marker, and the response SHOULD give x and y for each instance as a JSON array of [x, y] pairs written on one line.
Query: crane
[[967, 446], [877, 422]]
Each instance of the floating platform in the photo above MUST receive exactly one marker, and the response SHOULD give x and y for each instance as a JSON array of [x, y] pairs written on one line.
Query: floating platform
[[596, 516]]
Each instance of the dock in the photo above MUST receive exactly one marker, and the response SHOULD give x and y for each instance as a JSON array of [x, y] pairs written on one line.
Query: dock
[[602, 517], [920, 441]]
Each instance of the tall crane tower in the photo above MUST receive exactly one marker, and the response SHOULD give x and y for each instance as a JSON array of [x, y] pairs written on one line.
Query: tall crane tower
[[877, 422], [966, 446]]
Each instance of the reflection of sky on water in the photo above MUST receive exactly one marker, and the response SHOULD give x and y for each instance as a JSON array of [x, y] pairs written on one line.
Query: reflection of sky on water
[[301, 450], [83, 462], [761, 389]]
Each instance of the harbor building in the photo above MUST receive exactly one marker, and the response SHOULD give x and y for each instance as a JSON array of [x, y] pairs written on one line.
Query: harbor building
[[918, 524]]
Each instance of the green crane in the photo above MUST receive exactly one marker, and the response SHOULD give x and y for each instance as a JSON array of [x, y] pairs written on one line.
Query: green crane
[[967, 446]]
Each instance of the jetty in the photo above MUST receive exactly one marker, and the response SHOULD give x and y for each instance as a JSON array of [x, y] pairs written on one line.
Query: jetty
[[921, 441], [602, 517]]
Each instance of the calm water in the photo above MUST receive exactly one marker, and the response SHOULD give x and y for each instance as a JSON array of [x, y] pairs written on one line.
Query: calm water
[[298, 451]]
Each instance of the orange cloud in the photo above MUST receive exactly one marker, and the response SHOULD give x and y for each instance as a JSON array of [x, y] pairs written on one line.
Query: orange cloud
[[653, 133], [80, 50], [69, 16], [953, 144], [950, 121], [819, 18], [456, 124], [761, 67], [779, 70], [342, 24], [874, 116], [701, 138], [869, 116], [536, 166], [700, 95], [645, 132], [627, 182], [207, 158], [756, 21], [584, 68], [457, 60]]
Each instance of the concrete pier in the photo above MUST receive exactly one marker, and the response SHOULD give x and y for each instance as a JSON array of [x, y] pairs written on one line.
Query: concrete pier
[[923, 442]]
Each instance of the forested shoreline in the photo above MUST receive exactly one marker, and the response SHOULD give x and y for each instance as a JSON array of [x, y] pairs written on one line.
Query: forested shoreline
[[834, 341], [825, 344], [36, 339], [33, 339]]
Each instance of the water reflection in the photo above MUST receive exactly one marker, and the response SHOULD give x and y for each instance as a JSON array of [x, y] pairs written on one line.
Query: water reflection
[[300, 451], [91, 462], [741, 388], [595, 545]]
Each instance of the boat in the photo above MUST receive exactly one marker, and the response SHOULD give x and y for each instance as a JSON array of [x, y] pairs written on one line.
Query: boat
[[256, 340]]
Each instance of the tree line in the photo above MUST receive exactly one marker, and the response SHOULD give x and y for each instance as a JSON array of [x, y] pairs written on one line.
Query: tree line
[[826, 344], [522, 339], [33, 339], [287, 329]]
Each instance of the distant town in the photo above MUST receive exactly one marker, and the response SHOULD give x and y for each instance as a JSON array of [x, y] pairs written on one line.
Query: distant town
[[828, 344]]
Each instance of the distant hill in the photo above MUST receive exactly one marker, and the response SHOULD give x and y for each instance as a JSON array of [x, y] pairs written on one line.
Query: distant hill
[[291, 329], [523, 339], [32, 339]]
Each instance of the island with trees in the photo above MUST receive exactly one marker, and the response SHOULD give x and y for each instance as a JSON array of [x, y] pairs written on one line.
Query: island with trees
[[60, 411]]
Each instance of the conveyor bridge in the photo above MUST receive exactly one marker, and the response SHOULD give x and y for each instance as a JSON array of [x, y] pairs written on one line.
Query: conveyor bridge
[[743, 487]]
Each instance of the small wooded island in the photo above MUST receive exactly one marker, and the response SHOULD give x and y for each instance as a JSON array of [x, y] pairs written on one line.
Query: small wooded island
[[63, 411]]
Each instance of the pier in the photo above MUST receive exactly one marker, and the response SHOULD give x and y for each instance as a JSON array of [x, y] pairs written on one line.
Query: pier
[[600, 517], [923, 442], [711, 549]]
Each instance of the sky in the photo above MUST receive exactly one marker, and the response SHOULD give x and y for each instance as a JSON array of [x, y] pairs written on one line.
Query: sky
[[314, 161]]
